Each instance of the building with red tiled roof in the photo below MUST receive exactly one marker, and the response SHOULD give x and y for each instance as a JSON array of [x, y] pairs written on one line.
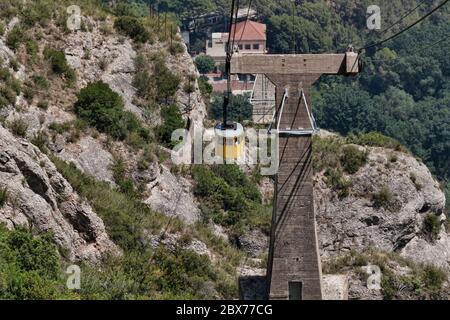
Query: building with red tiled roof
[[249, 38], [249, 31]]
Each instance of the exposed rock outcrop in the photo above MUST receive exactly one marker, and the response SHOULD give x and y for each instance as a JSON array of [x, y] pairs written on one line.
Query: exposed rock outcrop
[[96, 56], [172, 195], [89, 156], [355, 223], [42, 200]]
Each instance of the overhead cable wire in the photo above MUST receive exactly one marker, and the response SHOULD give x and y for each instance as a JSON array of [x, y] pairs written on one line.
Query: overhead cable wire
[[405, 29], [404, 16]]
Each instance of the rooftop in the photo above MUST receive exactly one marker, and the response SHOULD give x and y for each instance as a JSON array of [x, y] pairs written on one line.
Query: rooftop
[[249, 31]]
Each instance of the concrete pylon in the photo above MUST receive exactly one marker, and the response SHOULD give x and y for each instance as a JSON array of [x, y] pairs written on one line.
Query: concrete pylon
[[294, 270]]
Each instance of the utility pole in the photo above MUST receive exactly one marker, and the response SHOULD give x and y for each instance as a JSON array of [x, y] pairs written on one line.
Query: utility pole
[[294, 270]]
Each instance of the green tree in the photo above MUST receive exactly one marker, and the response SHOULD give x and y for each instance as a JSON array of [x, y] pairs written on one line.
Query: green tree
[[103, 108], [240, 108], [172, 120], [205, 64]]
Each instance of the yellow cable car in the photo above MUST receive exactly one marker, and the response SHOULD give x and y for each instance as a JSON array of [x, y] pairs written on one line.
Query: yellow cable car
[[234, 138]]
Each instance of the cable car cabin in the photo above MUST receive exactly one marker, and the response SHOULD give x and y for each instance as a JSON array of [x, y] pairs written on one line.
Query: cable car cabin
[[234, 138]]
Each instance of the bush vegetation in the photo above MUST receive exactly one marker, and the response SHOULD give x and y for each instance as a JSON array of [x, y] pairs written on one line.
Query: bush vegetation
[[172, 120], [145, 272], [230, 198], [205, 88], [15, 37], [176, 48], [384, 199], [9, 87], [353, 159], [375, 139], [333, 156], [59, 64], [336, 180], [432, 226], [133, 28], [103, 109], [154, 81], [29, 266], [205, 64], [240, 108], [4, 195], [18, 127], [423, 282]]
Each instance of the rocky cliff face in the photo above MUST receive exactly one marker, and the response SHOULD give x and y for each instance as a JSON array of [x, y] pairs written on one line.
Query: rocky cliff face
[[356, 222], [39, 198]]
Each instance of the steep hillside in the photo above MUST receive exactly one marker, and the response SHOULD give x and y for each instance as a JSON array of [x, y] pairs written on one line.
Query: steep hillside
[[86, 175]]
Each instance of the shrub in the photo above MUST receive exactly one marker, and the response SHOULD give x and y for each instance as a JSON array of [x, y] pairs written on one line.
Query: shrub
[[32, 48], [336, 180], [205, 87], [433, 278], [38, 12], [43, 104], [144, 83], [413, 178], [60, 127], [189, 87], [59, 64], [240, 108], [384, 199], [14, 64], [172, 120], [205, 64], [40, 82], [3, 196], [30, 266], [353, 159], [375, 139], [2, 28], [18, 127], [393, 158], [132, 28], [176, 48], [15, 37], [7, 95], [229, 198], [432, 226], [119, 173], [167, 83], [102, 108]]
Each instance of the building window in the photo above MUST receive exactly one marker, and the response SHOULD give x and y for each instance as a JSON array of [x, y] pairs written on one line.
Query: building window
[[248, 47], [240, 47], [256, 46]]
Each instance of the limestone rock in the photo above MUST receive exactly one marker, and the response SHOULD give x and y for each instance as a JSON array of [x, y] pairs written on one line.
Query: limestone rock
[[41, 199], [89, 156], [172, 195], [253, 242], [110, 58], [354, 223], [335, 287]]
